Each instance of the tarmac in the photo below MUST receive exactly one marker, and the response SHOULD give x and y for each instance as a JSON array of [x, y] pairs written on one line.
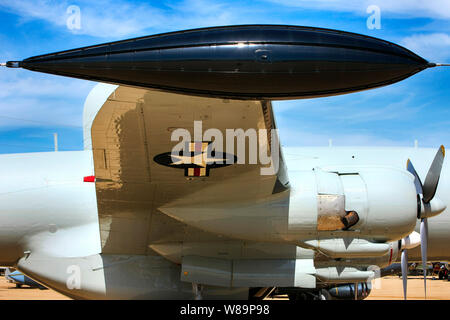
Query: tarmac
[[387, 288], [8, 291], [391, 288]]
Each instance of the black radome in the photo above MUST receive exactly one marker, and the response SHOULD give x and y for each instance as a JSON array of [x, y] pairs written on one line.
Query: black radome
[[270, 62]]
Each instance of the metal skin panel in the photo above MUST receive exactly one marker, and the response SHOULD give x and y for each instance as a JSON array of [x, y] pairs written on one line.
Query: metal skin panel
[[133, 190], [209, 271], [324, 261], [331, 201], [383, 214], [246, 273], [356, 195], [231, 250], [333, 158], [328, 183], [381, 210], [330, 211], [303, 204], [399, 200], [46, 206], [266, 273], [343, 275], [349, 248], [49, 163], [50, 215], [117, 277], [134, 127], [261, 273], [240, 62], [93, 103]]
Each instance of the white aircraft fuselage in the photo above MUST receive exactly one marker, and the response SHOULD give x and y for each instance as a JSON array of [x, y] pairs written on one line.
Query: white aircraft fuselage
[[47, 206]]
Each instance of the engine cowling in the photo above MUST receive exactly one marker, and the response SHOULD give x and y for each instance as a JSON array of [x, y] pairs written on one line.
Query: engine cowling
[[374, 202]]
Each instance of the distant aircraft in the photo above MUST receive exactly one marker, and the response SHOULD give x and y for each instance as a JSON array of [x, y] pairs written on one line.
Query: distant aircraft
[[183, 192], [20, 279]]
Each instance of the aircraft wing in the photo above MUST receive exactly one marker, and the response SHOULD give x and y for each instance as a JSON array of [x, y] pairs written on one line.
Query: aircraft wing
[[139, 186]]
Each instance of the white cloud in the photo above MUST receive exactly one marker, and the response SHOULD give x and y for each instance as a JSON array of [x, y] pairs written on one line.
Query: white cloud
[[27, 84], [438, 9], [304, 135], [119, 19], [46, 98], [397, 110], [356, 108], [98, 18], [434, 47], [292, 137], [37, 100], [388, 116], [116, 19], [34, 112]]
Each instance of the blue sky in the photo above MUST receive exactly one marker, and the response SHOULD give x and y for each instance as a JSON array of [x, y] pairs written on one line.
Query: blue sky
[[33, 106]]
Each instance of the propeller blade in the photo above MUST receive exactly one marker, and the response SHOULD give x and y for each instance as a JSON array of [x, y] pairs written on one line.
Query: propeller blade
[[432, 179], [417, 181], [424, 249], [428, 191], [404, 264]]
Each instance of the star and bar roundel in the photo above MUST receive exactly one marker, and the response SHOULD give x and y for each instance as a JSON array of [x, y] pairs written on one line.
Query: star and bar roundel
[[197, 158]]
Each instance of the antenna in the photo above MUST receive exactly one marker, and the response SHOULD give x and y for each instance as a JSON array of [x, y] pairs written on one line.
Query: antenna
[[10, 64], [55, 140], [439, 64]]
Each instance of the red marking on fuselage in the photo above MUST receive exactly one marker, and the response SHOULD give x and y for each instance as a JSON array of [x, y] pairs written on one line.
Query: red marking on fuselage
[[89, 179]]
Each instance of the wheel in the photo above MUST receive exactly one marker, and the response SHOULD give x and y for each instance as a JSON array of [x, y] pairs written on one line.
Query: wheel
[[18, 285], [325, 295], [292, 296], [300, 296]]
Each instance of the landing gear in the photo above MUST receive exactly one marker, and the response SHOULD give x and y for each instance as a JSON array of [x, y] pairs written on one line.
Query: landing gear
[[301, 296], [309, 296], [259, 293], [443, 274], [306, 295], [197, 291]]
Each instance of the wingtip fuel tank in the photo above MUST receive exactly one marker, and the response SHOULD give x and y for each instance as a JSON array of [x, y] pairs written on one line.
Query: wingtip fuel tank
[[240, 62]]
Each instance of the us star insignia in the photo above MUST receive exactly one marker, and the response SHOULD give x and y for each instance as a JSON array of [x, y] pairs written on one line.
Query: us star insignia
[[197, 159]]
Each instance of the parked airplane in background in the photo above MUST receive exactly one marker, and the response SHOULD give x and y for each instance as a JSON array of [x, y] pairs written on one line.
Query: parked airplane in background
[[182, 190], [20, 279]]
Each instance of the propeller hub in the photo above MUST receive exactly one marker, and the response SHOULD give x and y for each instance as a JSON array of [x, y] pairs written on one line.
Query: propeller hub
[[411, 241], [432, 208]]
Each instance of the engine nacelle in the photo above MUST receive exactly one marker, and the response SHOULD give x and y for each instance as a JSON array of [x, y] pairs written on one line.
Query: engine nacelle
[[375, 202]]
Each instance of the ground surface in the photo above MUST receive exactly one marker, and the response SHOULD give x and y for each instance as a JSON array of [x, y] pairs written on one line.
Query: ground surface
[[8, 291], [389, 288]]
